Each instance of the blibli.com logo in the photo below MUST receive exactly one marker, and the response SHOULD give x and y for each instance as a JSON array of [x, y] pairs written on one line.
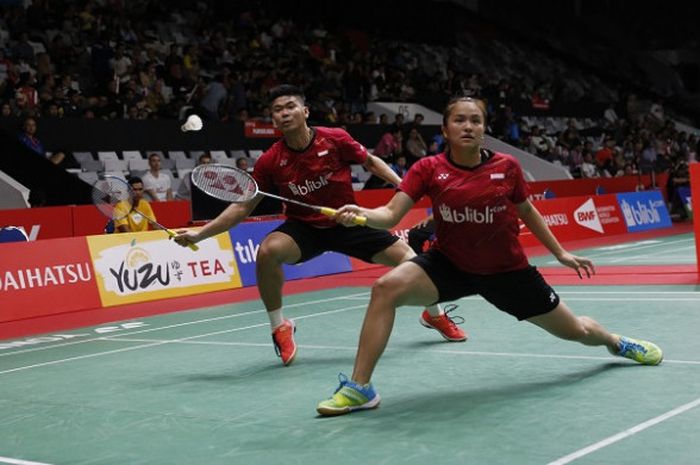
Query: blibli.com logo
[[644, 211], [469, 215], [308, 186], [640, 214]]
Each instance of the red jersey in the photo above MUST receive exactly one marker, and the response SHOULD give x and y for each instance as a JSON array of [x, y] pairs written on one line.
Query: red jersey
[[476, 222], [319, 174]]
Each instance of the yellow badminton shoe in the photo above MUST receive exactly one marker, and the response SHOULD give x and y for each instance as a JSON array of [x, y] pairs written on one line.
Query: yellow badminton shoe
[[349, 397], [644, 352]]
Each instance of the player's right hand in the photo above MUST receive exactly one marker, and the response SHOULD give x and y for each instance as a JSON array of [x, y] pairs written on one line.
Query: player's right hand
[[185, 237]]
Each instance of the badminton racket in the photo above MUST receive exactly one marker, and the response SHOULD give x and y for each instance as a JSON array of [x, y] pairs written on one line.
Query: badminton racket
[[231, 184], [114, 198]]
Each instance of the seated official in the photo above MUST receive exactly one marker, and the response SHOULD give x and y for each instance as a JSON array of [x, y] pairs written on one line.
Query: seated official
[[134, 221]]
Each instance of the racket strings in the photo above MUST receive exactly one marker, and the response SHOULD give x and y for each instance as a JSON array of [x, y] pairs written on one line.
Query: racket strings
[[112, 197], [225, 183]]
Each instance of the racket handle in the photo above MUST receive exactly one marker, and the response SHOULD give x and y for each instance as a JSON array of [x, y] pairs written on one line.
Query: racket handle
[[358, 220], [172, 234]]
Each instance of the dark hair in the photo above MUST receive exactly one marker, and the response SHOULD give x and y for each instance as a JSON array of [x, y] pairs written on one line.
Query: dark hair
[[460, 98], [134, 180], [284, 90]]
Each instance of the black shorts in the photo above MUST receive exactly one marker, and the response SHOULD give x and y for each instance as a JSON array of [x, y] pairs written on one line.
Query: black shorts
[[521, 293], [358, 242]]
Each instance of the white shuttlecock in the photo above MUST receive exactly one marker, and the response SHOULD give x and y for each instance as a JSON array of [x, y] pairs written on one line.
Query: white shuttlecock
[[193, 123]]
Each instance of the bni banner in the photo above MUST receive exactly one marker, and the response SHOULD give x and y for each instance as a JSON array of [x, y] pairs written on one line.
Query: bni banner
[[644, 210], [246, 239]]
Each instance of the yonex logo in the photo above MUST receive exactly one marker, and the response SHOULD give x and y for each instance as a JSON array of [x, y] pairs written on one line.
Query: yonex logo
[[443, 176], [552, 297], [283, 162], [322, 153]]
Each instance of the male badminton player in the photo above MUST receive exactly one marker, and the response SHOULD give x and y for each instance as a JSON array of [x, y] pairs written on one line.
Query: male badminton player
[[312, 164]]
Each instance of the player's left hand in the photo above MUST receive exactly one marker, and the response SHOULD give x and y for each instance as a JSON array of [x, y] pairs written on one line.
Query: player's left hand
[[346, 215], [578, 264]]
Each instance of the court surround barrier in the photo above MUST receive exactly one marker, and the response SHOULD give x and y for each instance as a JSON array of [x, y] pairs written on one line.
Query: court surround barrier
[[695, 205], [41, 278]]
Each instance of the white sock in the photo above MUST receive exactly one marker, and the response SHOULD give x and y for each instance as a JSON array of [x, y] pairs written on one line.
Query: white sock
[[276, 318], [435, 310]]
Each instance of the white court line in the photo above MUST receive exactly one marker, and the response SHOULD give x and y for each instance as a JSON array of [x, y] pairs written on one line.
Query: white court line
[[402, 349], [20, 462], [593, 255], [624, 434], [178, 325], [162, 342], [651, 254]]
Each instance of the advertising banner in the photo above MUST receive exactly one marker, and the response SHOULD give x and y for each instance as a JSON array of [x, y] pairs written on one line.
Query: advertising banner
[[254, 129], [246, 239], [540, 190], [146, 266], [40, 223], [46, 277], [644, 210], [573, 218]]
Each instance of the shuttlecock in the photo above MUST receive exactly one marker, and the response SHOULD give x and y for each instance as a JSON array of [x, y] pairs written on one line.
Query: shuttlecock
[[193, 123]]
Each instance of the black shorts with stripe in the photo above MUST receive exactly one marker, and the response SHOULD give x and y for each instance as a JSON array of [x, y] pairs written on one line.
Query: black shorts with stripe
[[521, 293], [358, 242]]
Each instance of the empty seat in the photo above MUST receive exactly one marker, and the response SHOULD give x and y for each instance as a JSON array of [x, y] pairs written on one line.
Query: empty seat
[[238, 153], [183, 173], [132, 155], [167, 164], [177, 155], [187, 163], [115, 165], [89, 177], [219, 155], [116, 174], [91, 165], [104, 156], [359, 173], [255, 153], [138, 165], [195, 154], [83, 156]]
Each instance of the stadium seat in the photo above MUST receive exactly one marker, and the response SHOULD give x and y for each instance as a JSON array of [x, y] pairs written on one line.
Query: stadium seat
[[104, 156], [92, 165], [177, 155], [89, 177], [187, 163], [138, 165], [219, 155], [132, 155], [115, 165], [82, 156]]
